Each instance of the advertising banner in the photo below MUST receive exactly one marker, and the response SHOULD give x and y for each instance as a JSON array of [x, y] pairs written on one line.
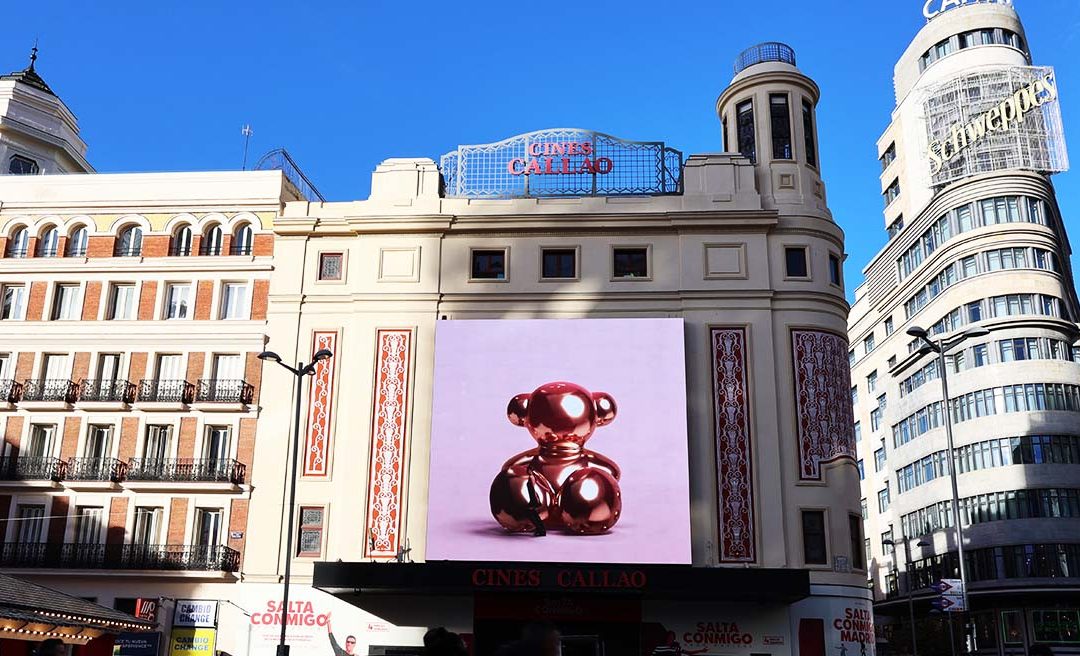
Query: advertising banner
[[714, 629], [195, 612], [136, 644], [559, 441], [844, 625], [192, 642]]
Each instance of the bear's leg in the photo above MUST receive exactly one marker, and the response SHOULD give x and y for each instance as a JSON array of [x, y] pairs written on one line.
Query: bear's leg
[[590, 502], [521, 500]]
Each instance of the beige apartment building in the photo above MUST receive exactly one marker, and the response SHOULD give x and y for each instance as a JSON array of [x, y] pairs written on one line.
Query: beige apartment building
[[976, 240]]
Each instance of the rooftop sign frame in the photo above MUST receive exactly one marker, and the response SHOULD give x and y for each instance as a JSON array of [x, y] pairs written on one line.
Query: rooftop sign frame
[[562, 162]]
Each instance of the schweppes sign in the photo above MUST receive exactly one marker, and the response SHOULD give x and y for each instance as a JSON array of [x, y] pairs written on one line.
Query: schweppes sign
[[1009, 114]]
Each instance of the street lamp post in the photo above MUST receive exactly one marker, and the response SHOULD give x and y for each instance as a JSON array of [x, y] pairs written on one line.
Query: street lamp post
[[910, 587], [298, 372], [942, 347]]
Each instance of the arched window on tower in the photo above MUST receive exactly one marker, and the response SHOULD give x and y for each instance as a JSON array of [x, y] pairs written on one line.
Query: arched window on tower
[[182, 241], [76, 246], [49, 243], [212, 241], [18, 244], [130, 242], [242, 240]]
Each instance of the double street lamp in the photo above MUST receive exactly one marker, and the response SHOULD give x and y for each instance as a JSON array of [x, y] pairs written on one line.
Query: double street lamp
[[910, 584], [299, 371], [942, 346]]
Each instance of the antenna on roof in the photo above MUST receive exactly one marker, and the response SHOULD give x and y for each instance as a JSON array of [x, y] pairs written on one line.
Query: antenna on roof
[[33, 54], [247, 132]]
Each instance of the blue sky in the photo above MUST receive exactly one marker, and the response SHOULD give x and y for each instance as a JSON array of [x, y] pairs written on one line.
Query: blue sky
[[343, 85]]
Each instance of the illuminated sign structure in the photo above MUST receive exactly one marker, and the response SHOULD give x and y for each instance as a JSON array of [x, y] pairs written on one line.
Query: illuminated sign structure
[[934, 8], [992, 120], [562, 162]]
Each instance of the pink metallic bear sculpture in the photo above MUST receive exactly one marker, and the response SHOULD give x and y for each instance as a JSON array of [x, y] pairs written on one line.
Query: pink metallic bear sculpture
[[560, 484]]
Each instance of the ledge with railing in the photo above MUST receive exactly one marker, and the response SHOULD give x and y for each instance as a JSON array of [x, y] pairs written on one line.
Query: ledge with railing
[[95, 469], [49, 390], [32, 468], [224, 391], [171, 557], [202, 470], [165, 391], [104, 390], [9, 391]]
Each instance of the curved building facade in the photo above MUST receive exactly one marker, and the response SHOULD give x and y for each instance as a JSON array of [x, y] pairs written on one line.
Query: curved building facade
[[976, 240]]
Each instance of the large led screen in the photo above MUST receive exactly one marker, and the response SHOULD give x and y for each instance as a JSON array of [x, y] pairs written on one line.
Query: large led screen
[[559, 441]]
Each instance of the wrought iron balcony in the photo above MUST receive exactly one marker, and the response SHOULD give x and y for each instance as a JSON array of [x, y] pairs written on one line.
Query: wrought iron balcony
[[210, 249], [97, 391], [165, 391], [762, 53], [49, 389], [240, 249], [95, 469], [175, 557], [31, 468], [180, 250], [206, 470], [224, 391], [9, 391], [16, 252]]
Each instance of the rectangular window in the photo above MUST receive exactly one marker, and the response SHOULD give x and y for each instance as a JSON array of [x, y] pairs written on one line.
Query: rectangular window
[[887, 545], [796, 262], [879, 460], [855, 534], [869, 344], [98, 442], [862, 470], [216, 446], [147, 526], [892, 192], [122, 302], [65, 301], [889, 156], [813, 529], [30, 524], [14, 302], [871, 381], [780, 118], [858, 431], [854, 395], [883, 499], [865, 509], [489, 264], [835, 272], [235, 303], [208, 522], [41, 441], [158, 441], [558, 263], [744, 117], [310, 537], [896, 226], [331, 266], [809, 133], [177, 299], [630, 263], [88, 523], [890, 327]]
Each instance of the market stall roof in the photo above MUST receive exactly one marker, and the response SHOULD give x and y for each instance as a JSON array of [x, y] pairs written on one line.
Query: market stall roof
[[33, 612]]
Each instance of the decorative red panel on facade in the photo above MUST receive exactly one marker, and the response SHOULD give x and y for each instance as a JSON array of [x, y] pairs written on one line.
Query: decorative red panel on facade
[[734, 453], [320, 408], [388, 426], [826, 421]]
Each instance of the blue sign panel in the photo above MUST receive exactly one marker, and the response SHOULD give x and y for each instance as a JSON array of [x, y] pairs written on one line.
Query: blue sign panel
[[562, 162]]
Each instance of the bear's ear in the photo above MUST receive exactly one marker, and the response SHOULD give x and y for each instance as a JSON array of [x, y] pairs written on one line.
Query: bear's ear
[[517, 410], [605, 408]]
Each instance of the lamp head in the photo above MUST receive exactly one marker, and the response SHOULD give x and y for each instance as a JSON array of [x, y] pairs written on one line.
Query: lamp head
[[923, 543], [916, 331], [978, 331], [322, 354], [271, 356], [889, 542]]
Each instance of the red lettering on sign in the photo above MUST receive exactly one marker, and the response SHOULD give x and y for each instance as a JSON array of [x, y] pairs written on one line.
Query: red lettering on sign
[[554, 158]]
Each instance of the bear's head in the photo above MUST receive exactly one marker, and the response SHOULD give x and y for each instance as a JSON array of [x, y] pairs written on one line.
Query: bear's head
[[558, 413]]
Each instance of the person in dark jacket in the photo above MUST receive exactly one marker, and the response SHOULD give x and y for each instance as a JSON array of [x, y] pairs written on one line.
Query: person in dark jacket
[[350, 643]]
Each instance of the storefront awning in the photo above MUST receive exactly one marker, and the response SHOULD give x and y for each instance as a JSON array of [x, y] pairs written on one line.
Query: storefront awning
[[645, 581], [33, 612]]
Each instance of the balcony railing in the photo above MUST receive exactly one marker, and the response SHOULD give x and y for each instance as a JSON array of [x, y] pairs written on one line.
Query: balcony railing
[[31, 468], [240, 249], [210, 249], [165, 391], [175, 557], [49, 390], [180, 250], [95, 469], [9, 391], [120, 391], [224, 391], [205, 470], [16, 252]]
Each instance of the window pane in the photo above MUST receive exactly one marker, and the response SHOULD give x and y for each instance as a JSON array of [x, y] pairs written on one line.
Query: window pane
[[814, 551], [631, 263], [808, 134], [780, 119], [330, 266], [489, 265], [559, 263], [745, 129], [795, 259], [176, 303], [234, 303]]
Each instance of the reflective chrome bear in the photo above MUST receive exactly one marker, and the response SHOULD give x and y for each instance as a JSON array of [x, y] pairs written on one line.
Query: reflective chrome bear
[[559, 484]]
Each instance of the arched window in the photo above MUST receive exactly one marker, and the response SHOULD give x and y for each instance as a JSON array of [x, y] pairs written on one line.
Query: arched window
[[242, 240], [130, 242], [212, 240], [49, 243], [76, 246], [181, 241], [17, 245]]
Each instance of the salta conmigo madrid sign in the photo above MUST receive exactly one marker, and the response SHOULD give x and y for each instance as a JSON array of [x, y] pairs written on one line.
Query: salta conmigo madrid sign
[[562, 162]]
